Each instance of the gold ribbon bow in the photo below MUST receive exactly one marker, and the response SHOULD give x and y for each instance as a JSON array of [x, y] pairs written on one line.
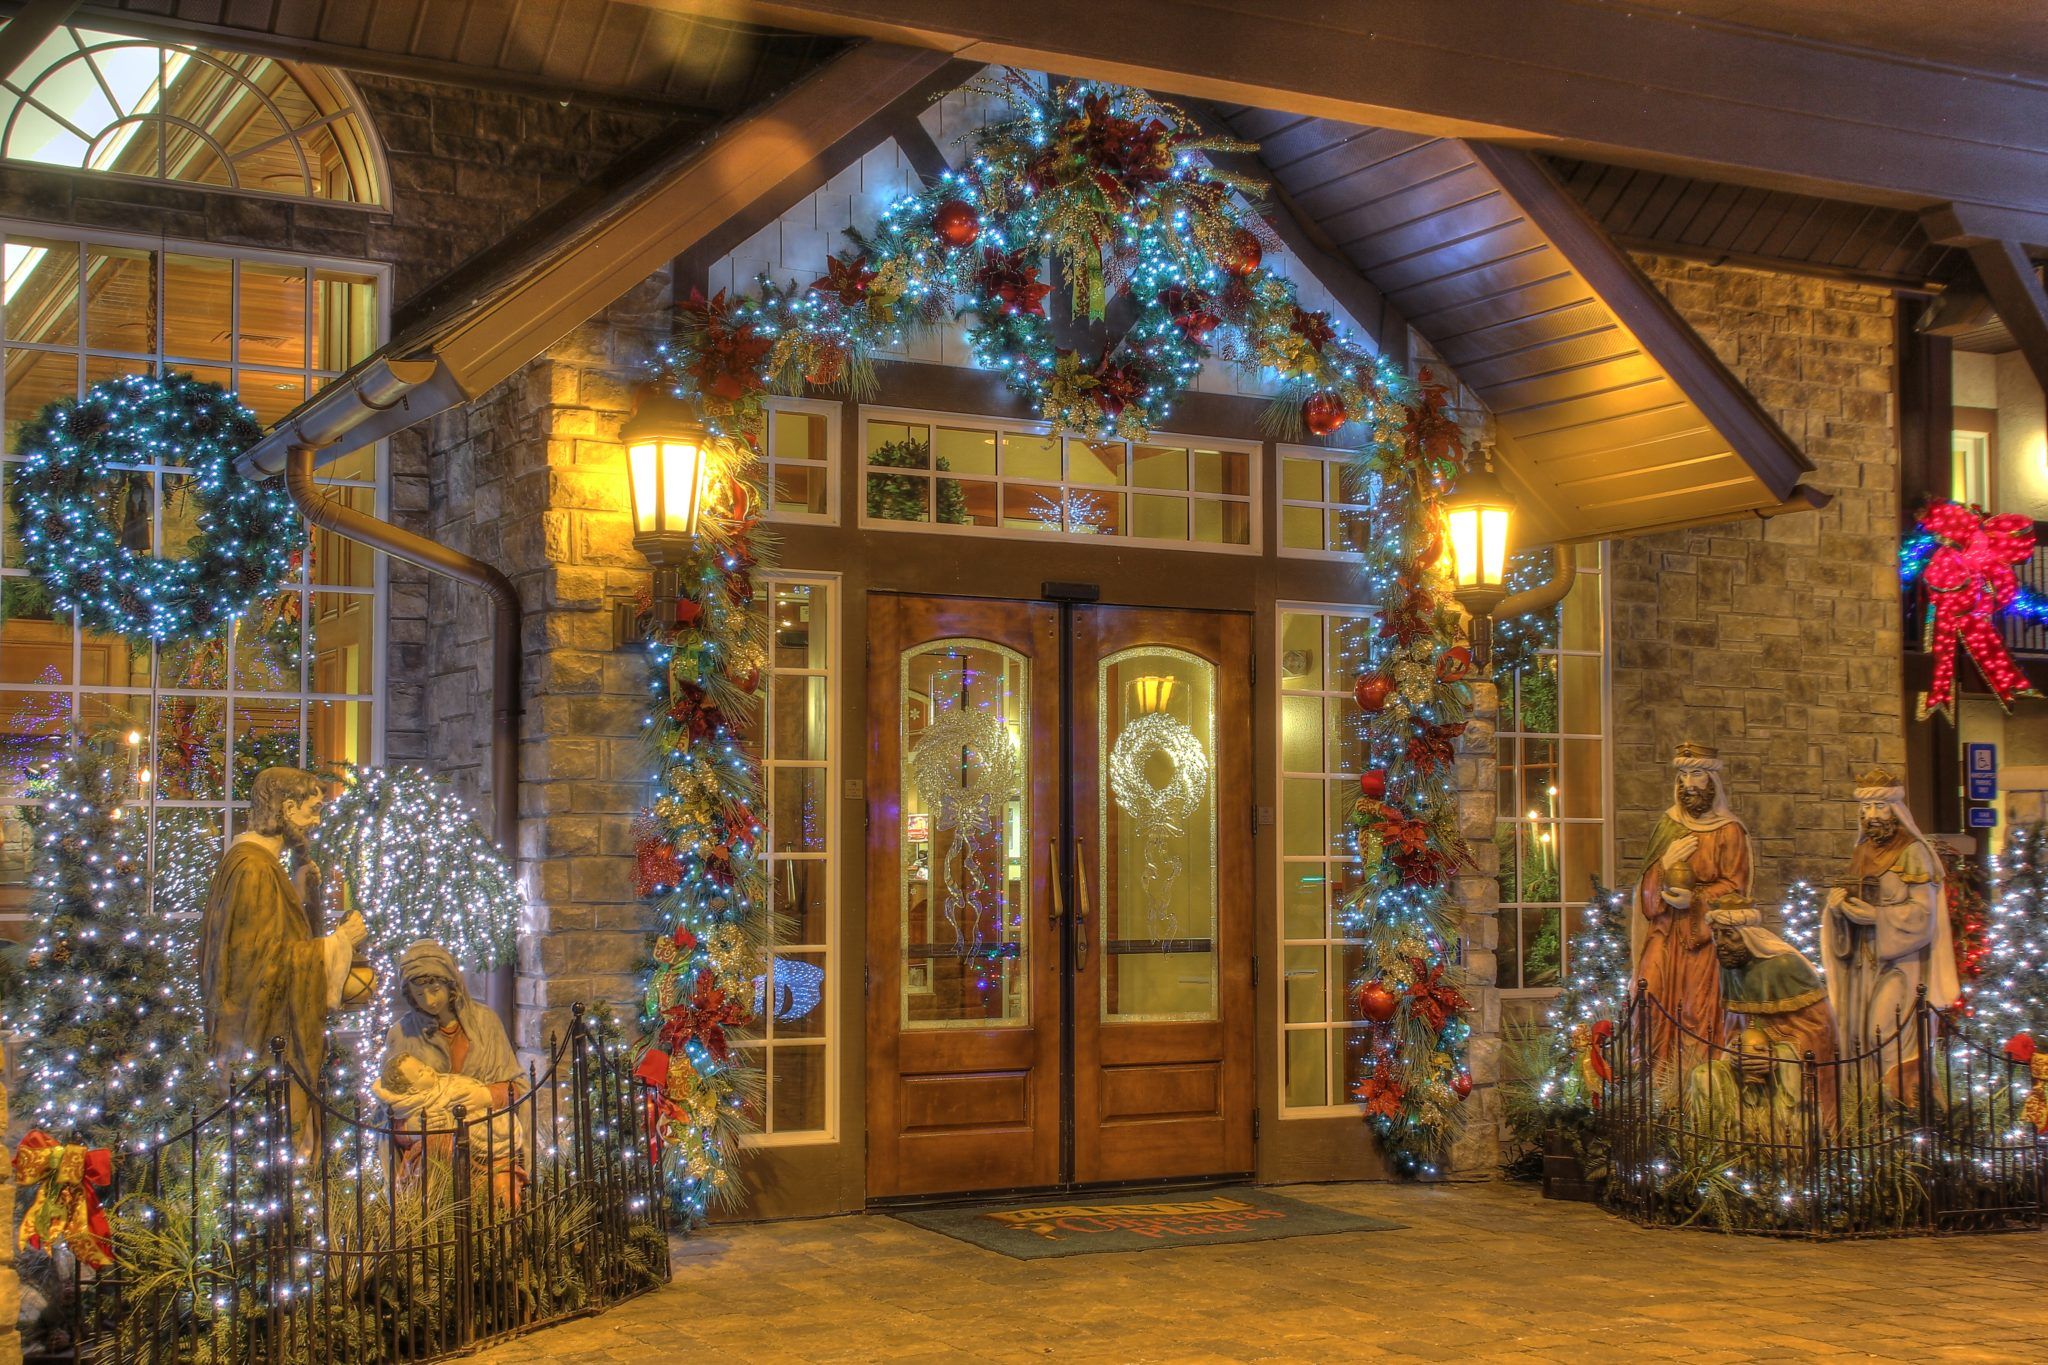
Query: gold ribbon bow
[[66, 1209], [2036, 1110]]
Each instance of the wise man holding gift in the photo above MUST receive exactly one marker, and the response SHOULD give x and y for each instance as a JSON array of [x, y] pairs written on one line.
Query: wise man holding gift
[[1698, 854], [1884, 931]]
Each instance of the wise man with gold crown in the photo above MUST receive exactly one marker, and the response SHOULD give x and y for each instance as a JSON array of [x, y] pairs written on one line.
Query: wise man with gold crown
[[1884, 932], [1698, 854]]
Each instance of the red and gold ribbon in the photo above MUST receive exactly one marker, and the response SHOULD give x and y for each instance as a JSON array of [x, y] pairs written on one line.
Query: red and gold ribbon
[[66, 1209]]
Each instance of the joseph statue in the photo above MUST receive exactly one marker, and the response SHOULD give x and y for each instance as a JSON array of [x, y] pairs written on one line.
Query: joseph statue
[[1698, 854], [1884, 932], [267, 969]]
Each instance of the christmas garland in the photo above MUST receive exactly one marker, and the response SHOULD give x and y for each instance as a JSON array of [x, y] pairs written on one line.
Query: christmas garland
[[698, 846], [1155, 254], [78, 507], [1414, 700]]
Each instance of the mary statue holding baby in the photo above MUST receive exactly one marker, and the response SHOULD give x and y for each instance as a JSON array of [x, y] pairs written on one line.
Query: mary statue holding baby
[[447, 1050]]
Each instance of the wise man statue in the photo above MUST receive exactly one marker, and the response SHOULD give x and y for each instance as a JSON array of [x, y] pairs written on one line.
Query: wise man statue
[[1698, 854], [1884, 932], [267, 968], [1769, 986]]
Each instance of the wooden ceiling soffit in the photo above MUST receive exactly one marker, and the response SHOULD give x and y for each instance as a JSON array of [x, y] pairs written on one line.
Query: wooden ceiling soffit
[[2003, 247], [1614, 417], [509, 304]]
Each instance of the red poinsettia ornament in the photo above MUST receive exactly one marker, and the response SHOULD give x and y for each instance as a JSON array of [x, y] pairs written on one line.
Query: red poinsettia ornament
[[1011, 278], [957, 223], [1376, 1002], [1241, 253], [846, 278], [1323, 414], [1371, 692]]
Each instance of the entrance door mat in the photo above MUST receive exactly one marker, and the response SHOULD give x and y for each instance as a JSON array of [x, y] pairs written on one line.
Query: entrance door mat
[[1083, 1225]]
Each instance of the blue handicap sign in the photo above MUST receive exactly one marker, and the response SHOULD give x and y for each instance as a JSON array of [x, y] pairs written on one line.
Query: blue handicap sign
[[1980, 771], [1983, 817]]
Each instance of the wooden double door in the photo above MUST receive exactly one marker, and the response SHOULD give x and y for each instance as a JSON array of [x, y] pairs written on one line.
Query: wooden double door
[[1060, 895]]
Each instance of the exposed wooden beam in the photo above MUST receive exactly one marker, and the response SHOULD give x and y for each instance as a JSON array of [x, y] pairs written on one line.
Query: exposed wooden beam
[[29, 29], [1644, 310], [1998, 243], [1312, 246], [918, 148], [1637, 87]]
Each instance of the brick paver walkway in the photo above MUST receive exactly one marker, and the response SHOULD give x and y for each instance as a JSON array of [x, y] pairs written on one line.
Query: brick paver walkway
[[1485, 1272]]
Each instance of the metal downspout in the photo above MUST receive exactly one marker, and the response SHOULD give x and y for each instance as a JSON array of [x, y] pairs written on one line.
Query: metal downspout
[[506, 706]]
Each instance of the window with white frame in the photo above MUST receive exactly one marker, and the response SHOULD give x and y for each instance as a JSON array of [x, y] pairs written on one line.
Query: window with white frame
[[296, 682], [1322, 753], [1321, 492], [987, 476], [1553, 831], [792, 1036], [802, 451]]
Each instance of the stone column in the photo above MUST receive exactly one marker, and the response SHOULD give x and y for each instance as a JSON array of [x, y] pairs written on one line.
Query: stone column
[[1476, 1156], [10, 1283]]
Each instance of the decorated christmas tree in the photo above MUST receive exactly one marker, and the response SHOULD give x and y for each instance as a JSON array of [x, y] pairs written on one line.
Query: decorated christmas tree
[[413, 861], [109, 1006], [2011, 996], [1595, 993]]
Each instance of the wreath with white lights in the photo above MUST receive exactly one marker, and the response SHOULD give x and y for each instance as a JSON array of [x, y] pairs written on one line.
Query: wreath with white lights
[[78, 497]]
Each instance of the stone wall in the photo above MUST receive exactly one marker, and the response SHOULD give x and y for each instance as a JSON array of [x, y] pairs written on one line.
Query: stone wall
[[1476, 1155], [532, 478], [1776, 641]]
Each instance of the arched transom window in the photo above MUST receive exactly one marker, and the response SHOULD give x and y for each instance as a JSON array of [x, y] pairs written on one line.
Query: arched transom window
[[93, 101]]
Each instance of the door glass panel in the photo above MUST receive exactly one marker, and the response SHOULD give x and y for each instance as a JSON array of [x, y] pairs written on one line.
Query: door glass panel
[[1158, 819], [966, 836]]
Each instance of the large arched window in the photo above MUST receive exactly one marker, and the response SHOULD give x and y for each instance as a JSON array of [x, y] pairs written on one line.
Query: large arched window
[[93, 101]]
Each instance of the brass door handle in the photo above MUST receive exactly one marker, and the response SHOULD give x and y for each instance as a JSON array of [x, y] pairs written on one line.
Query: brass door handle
[[1059, 907], [1081, 918]]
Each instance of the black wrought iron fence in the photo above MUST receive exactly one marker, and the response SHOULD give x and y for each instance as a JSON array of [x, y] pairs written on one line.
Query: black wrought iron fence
[[1920, 1134], [281, 1229]]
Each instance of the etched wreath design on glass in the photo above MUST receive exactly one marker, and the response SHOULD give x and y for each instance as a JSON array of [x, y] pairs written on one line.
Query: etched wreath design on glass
[[1158, 811], [966, 767]]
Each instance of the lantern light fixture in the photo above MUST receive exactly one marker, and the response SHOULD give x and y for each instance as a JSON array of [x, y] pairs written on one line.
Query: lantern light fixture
[[1153, 693], [1479, 514], [668, 450]]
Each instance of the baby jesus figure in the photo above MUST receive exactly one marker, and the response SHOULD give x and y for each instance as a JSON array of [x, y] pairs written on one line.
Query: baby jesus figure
[[417, 1095]]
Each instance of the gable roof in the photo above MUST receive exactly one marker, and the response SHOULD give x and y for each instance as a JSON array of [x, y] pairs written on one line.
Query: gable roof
[[1612, 416]]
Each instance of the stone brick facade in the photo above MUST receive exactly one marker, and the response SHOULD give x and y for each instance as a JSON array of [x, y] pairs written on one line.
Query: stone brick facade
[[1777, 641], [532, 479], [1477, 1153]]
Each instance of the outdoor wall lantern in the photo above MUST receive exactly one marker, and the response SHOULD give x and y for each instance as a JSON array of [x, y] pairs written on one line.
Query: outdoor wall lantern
[[669, 453], [1153, 693], [1480, 514]]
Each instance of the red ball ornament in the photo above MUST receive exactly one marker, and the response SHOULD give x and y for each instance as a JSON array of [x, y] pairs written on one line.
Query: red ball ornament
[[957, 223], [1372, 692], [2021, 1048], [1373, 785], [1461, 1084], [1242, 254], [1376, 1002], [1323, 413]]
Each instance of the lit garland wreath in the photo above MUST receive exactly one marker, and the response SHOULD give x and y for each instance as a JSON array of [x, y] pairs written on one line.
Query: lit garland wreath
[[75, 500], [1158, 255]]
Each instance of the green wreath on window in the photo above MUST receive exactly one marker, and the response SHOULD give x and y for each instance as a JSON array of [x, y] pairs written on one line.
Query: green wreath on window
[[84, 516], [901, 497]]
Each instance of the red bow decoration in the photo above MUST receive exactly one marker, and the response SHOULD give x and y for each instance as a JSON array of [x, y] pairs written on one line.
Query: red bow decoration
[[695, 712], [1453, 664], [66, 1208], [1969, 579], [1190, 311], [846, 278], [1011, 276], [1430, 748], [703, 1019], [1430, 998], [1314, 328], [728, 358]]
